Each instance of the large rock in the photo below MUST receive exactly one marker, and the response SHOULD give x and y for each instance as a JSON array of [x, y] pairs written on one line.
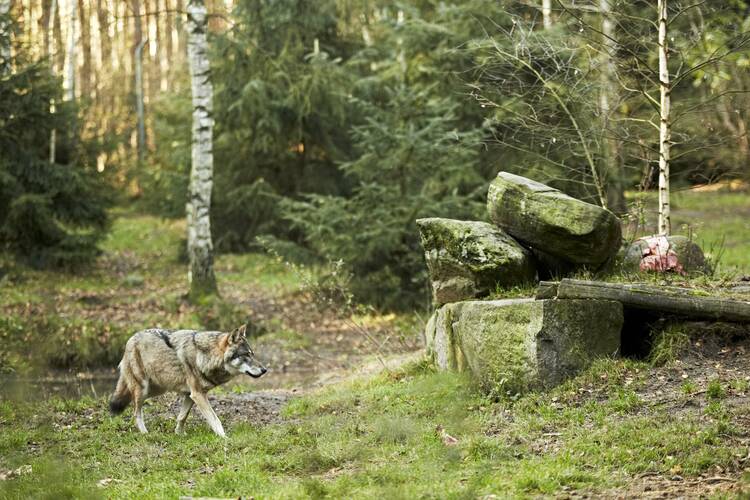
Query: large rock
[[552, 221], [520, 344], [664, 253], [468, 259]]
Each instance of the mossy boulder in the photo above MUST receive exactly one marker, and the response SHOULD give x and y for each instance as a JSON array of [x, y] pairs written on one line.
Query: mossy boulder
[[550, 220], [468, 259], [520, 344], [665, 253]]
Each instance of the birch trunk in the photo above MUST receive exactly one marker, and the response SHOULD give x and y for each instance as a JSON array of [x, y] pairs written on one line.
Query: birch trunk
[[69, 79], [200, 248], [547, 14], [608, 92], [664, 122], [5, 36], [51, 54]]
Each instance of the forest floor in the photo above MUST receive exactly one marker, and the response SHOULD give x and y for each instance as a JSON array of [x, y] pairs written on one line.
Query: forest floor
[[349, 408]]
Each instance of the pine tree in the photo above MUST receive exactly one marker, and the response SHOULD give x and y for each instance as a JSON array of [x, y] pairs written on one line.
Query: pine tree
[[51, 215]]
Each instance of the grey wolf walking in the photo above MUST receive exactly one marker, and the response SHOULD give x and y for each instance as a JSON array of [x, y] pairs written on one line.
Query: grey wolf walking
[[184, 361]]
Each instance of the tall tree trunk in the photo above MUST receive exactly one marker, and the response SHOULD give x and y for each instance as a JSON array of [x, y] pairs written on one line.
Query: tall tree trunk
[[138, 77], [140, 115], [612, 147], [200, 248], [51, 53], [665, 225], [5, 26], [57, 34], [547, 14], [105, 47], [69, 78], [85, 50]]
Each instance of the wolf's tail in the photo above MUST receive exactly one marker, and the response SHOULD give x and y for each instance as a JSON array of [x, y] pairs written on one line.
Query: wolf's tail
[[121, 397]]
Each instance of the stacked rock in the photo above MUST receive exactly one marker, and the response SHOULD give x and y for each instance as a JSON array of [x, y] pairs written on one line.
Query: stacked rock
[[538, 230]]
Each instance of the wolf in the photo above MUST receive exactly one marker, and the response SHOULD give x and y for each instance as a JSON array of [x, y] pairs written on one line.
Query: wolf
[[188, 362]]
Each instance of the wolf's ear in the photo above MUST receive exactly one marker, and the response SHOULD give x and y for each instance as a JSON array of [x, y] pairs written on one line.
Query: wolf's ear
[[238, 334]]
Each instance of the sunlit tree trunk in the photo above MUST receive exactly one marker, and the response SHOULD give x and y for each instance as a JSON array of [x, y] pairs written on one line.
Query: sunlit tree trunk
[[105, 47], [85, 76], [547, 14], [200, 248], [51, 54], [139, 107], [664, 122], [5, 27], [612, 148], [69, 78]]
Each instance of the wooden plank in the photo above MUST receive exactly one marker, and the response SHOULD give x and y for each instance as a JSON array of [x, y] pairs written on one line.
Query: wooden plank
[[546, 290], [669, 300]]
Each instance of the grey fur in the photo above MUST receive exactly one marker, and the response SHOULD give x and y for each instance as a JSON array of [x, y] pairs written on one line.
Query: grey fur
[[188, 362]]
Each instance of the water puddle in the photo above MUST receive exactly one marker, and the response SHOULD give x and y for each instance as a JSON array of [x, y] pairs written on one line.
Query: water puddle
[[65, 385]]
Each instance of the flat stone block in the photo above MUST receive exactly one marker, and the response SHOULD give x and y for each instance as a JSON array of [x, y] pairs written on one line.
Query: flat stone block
[[520, 344]]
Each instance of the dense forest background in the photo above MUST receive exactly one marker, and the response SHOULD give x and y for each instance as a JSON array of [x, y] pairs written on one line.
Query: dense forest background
[[339, 122]]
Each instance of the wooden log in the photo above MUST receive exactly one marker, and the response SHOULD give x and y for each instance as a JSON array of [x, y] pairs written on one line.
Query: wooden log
[[687, 302], [546, 290]]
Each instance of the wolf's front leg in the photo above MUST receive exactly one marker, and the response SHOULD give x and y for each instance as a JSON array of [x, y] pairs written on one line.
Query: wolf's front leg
[[201, 401]]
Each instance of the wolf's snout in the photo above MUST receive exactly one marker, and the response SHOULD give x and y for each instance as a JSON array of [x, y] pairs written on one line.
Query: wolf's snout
[[255, 371]]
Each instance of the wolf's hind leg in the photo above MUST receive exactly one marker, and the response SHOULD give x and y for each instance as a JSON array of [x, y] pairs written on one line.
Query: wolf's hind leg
[[208, 413], [187, 404], [138, 409]]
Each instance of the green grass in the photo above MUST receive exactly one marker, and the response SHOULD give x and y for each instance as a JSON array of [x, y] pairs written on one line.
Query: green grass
[[373, 438], [51, 319], [719, 222], [378, 437]]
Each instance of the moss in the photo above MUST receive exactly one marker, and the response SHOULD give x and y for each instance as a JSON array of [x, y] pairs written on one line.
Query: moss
[[494, 340], [511, 346], [552, 221], [468, 259]]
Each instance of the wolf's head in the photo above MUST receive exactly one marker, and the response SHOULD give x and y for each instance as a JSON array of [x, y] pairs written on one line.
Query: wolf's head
[[239, 358]]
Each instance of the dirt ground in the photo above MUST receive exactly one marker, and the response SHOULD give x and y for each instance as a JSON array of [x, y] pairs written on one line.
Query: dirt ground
[[718, 354]]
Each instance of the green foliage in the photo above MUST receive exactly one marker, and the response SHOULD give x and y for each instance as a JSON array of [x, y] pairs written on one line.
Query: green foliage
[[339, 122], [281, 115], [164, 178], [51, 214], [412, 163], [714, 390], [668, 344]]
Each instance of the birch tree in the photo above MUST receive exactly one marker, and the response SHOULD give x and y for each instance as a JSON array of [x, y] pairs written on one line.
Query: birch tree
[[547, 14], [4, 35], [664, 122], [51, 54], [200, 247]]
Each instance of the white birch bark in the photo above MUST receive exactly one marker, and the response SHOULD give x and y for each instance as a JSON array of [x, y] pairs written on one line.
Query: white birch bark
[[69, 78], [200, 248], [664, 122], [52, 58], [5, 34], [547, 14]]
